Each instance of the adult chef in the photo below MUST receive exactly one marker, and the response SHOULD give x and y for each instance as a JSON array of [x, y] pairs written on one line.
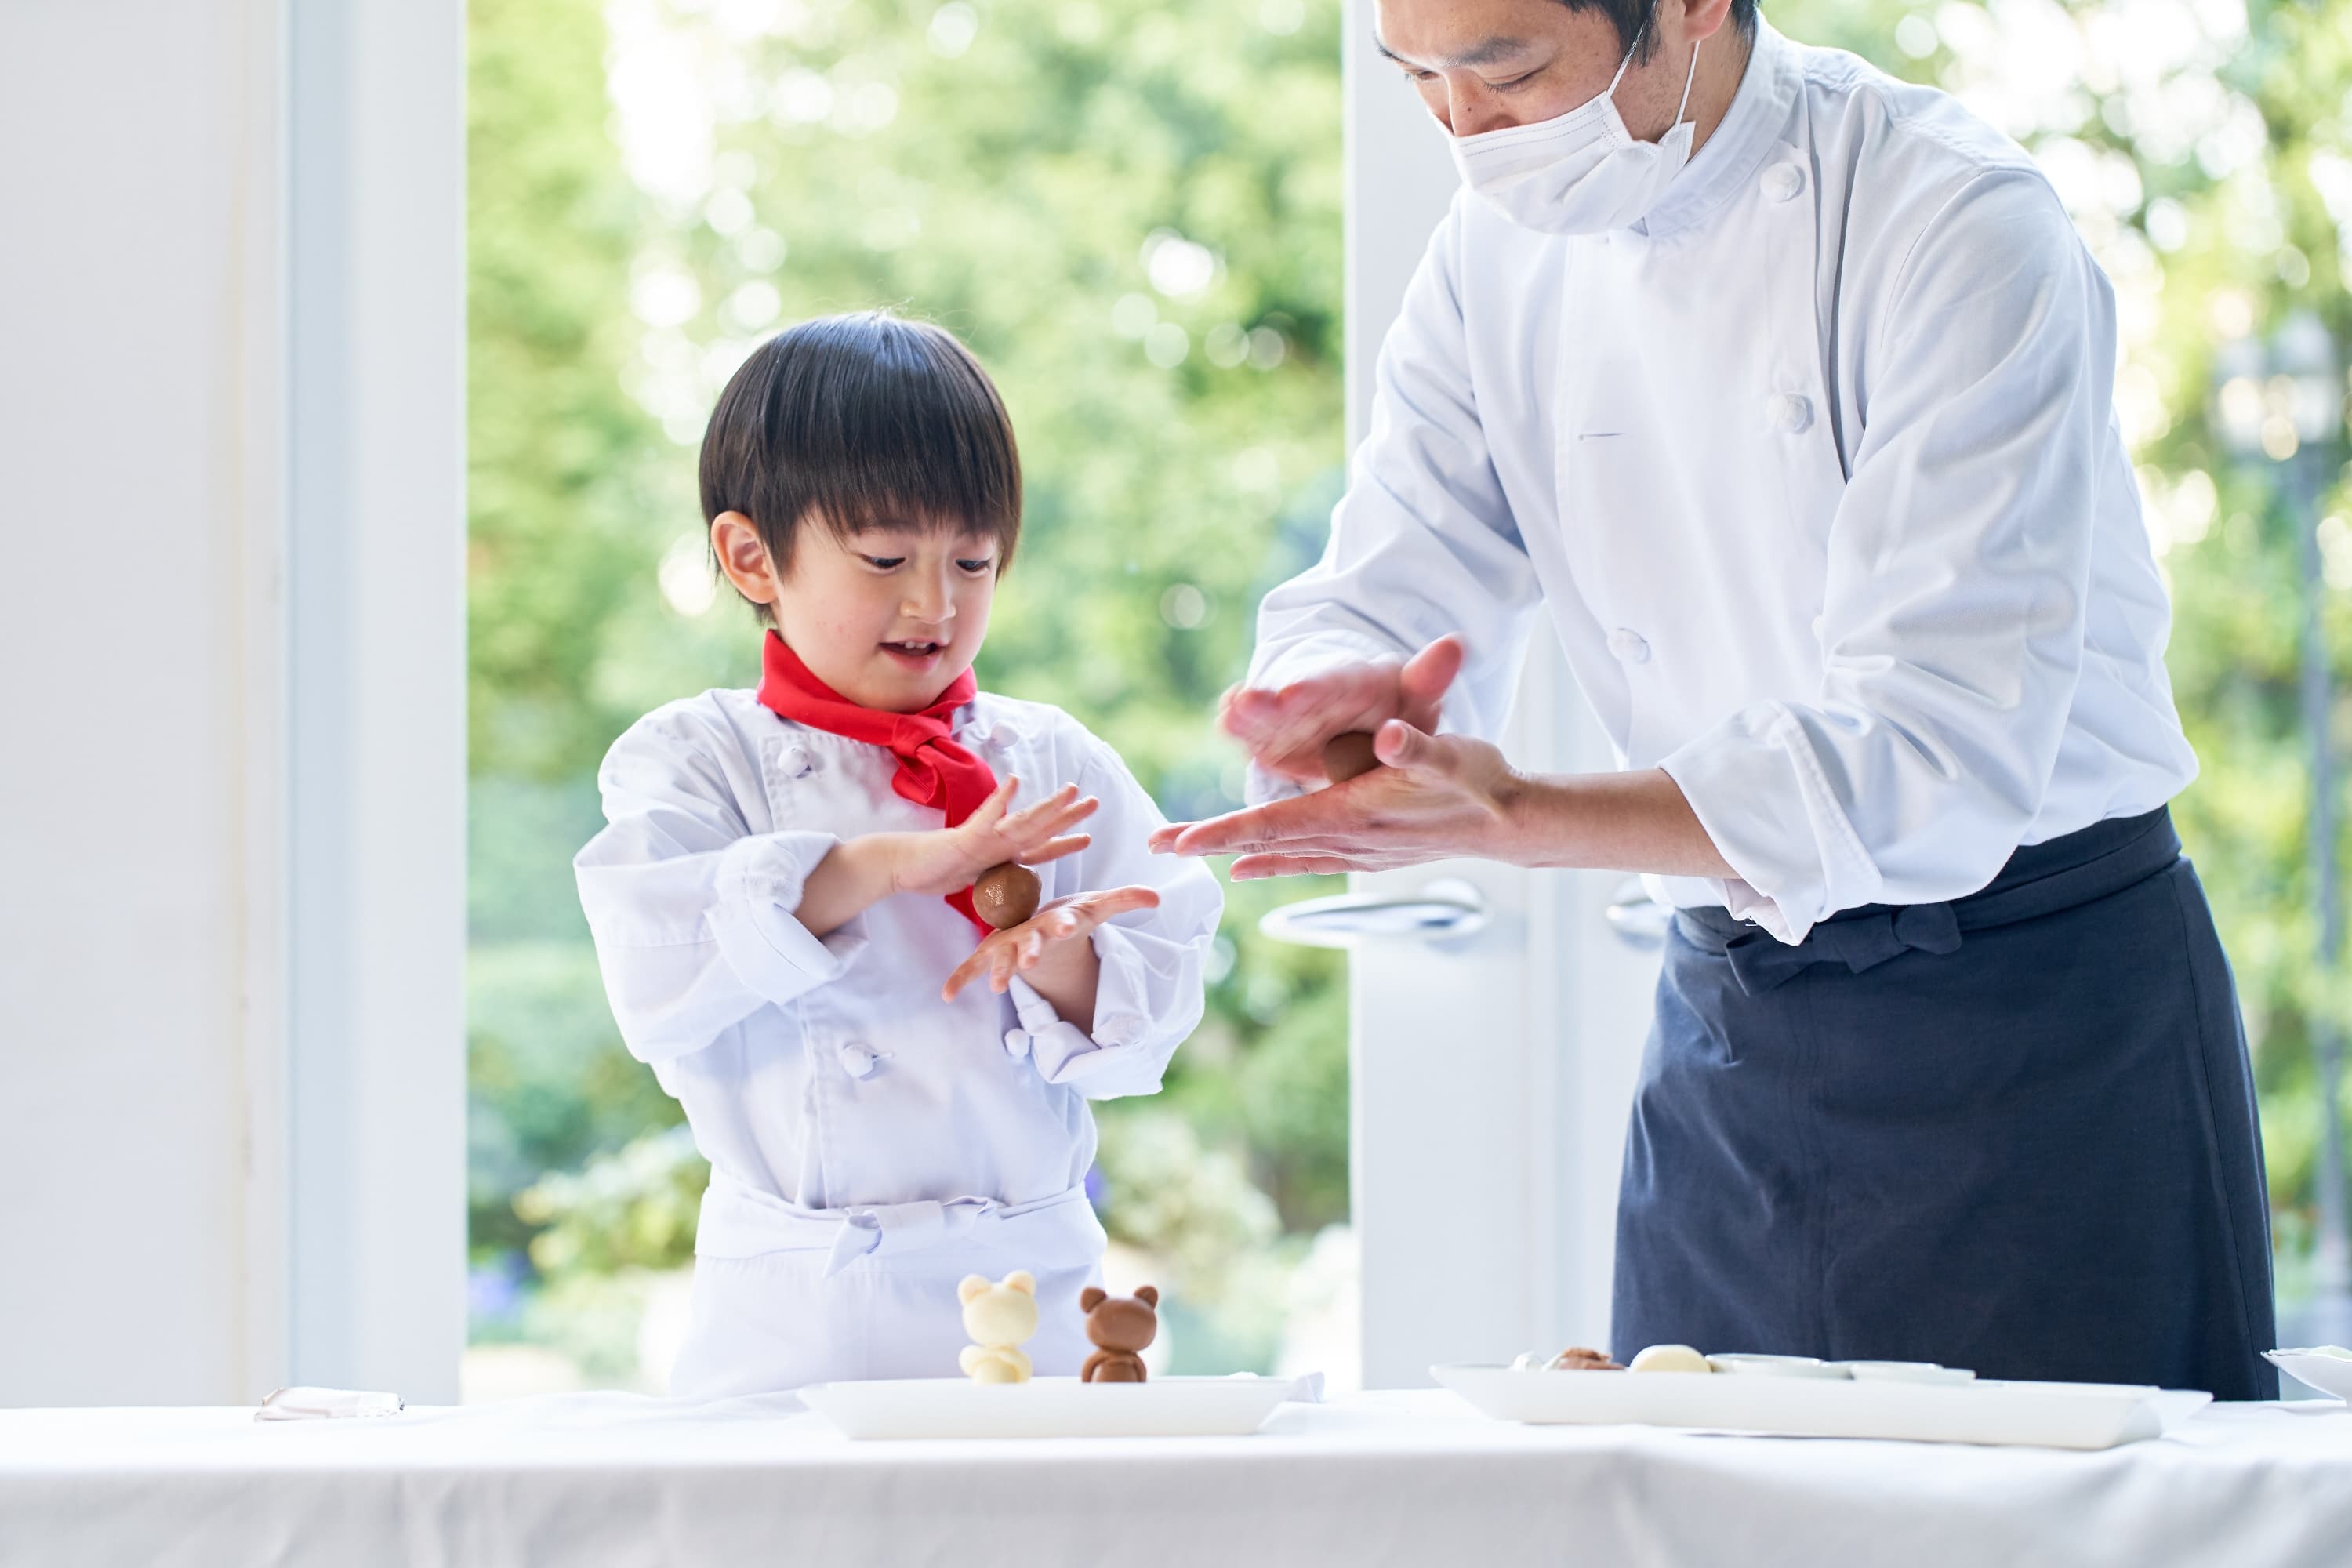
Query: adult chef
[[1783, 388]]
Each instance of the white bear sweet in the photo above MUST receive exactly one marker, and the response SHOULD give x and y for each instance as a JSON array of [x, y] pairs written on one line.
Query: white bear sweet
[[998, 1316]]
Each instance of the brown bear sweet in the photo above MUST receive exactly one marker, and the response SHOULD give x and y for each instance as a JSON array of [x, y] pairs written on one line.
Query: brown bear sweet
[[1120, 1326]]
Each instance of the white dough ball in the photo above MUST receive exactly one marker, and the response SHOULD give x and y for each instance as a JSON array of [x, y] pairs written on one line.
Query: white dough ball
[[1670, 1358]]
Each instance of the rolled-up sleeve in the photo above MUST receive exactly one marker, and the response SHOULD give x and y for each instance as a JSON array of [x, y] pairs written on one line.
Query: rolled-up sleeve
[[1152, 990], [1959, 568], [1424, 543], [692, 913]]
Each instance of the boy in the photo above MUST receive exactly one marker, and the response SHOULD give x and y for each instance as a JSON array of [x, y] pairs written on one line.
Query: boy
[[781, 901]]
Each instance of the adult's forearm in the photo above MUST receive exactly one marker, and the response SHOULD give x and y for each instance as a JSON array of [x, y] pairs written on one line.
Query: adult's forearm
[[1608, 821]]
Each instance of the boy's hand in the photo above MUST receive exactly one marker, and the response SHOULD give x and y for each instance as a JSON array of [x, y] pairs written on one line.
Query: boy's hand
[[1045, 941], [948, 859]]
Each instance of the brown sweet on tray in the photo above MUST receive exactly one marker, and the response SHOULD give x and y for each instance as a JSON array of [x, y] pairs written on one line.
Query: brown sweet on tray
[[1575, 1358], [1120, 1326]]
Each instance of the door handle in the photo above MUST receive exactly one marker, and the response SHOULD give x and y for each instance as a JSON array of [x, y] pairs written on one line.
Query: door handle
[[1446, 910], [1638, 920]]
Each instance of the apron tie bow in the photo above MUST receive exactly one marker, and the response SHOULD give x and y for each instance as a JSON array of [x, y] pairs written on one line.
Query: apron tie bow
[[1760, 962]]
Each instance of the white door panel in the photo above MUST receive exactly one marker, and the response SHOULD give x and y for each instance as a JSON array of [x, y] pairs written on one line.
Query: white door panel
[[1490, 1076]]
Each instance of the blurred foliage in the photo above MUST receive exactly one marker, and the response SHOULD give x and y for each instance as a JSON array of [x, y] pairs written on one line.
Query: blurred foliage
[[632, 1209], [1132, 214]]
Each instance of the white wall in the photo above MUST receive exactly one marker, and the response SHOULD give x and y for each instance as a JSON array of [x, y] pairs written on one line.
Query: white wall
[[149, 780]]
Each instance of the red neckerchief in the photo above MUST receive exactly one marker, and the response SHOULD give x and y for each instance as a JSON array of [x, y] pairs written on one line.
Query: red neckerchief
[[934, 770]]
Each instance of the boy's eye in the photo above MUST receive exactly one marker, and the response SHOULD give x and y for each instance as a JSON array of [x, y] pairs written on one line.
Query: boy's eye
[[885, 563], [976, 567]]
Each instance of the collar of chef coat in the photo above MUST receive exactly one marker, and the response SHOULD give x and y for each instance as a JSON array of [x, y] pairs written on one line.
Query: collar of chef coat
[[1752, 126]]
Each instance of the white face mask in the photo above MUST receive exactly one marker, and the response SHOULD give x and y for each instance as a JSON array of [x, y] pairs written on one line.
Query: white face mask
[[1581, 173]]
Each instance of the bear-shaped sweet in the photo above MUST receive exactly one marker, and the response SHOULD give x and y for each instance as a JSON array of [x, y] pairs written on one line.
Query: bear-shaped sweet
[[1120, 1325], [998, 1316]]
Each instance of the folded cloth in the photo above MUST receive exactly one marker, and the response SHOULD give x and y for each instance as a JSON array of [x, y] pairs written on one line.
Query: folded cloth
[[326, 1404]]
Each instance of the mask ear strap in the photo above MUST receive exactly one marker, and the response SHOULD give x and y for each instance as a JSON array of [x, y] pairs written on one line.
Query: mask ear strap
[[1688, 79], [1630, 49]]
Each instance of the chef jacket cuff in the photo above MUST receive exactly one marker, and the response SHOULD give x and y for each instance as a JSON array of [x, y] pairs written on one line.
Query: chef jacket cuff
[[760, 882], [1760, 792], [1119, 1056]]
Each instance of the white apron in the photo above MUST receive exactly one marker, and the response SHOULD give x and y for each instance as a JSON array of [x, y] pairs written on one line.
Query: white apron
[[786, 1296]]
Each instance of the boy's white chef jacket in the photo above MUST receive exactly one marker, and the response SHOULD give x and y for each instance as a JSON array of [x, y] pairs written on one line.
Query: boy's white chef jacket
[[869, 1142], [1816, 473]]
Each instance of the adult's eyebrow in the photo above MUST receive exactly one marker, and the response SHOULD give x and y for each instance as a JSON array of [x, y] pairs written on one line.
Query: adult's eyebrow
[[1501, 46]]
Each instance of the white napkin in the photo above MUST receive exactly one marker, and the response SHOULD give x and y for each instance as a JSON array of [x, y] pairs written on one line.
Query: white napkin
[[326, 1404]]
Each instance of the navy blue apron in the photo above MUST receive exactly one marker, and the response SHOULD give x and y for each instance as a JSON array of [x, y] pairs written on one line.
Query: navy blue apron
[[2014, 1133]]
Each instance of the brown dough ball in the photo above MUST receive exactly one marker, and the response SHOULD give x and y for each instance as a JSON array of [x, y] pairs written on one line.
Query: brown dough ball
[[1349, 754], [1578, 1358], [1007, 894]]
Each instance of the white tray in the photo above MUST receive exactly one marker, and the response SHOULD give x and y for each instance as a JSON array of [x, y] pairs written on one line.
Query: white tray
[[2032, 1414], [1049, 1407], [2327, 1368]]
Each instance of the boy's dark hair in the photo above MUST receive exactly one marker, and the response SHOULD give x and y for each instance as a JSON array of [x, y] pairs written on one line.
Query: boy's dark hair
[[864, 420]]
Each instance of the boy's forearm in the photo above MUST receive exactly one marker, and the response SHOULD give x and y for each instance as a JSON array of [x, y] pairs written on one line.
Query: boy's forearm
[[855, 875], [1067, 975]]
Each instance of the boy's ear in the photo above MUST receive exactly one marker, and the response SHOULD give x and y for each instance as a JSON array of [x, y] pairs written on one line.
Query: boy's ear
[[743, 556], [1147, 1294], [1090, 1298]]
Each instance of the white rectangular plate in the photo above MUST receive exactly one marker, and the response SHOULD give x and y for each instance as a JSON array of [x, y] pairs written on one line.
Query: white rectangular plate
[[2032, 1414], [2326, 1369], [1049, 1407]]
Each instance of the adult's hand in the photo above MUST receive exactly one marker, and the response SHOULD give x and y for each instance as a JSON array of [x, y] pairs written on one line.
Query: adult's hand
[[1439, 796], [1283, 729], [1446, 796]]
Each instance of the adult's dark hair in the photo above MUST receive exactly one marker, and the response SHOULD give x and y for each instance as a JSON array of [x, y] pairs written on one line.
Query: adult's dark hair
[[863, 421], [1632, 18]]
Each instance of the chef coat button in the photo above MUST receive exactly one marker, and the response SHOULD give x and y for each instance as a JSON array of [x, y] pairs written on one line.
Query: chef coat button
[[1789, 412], [1629, 645], [859, 1061], [795, 762], [1782, 181], [1016, 1043]]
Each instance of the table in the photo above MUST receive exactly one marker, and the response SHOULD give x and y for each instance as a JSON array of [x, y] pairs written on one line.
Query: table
[[1374, 1479]]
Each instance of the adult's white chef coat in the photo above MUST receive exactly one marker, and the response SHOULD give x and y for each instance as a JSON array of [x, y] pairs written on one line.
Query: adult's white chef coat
[[858, 1126], [1816, 472]]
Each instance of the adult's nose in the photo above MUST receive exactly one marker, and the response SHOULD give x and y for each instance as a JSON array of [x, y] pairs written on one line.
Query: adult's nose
[[1470, 113]]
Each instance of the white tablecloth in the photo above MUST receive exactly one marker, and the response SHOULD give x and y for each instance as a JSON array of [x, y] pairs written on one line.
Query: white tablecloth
[[1398, 1478]]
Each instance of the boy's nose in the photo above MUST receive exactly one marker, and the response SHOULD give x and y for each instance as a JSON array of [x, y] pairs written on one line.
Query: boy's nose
[[927, 602]]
